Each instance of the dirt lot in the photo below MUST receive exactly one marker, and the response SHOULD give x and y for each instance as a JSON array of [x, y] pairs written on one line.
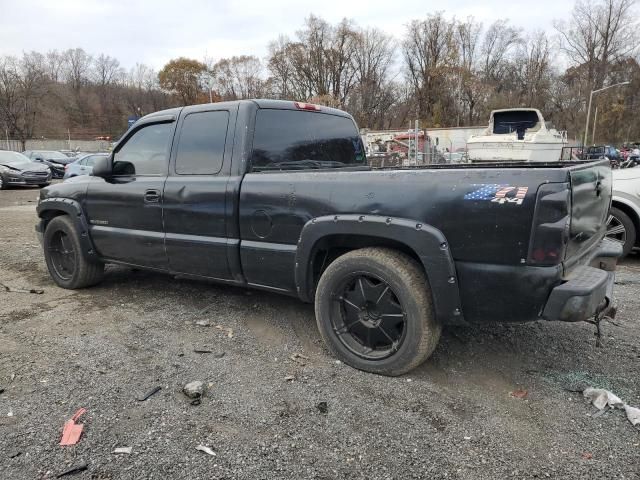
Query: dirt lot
[[453, 417]]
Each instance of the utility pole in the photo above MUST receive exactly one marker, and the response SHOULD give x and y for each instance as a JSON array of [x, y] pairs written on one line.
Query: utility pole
[[586, 127], [593, 132]]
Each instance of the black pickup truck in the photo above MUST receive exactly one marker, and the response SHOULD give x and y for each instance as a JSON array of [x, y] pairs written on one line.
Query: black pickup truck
[[278, 195]]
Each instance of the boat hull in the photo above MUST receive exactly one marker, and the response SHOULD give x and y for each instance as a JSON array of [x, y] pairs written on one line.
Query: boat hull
[[521, 151]]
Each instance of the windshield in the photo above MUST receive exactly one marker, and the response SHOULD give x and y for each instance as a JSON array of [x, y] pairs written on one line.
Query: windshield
[[13, 159]]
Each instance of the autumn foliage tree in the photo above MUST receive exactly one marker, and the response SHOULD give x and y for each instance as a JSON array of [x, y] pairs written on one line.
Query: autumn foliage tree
[[185, 78]]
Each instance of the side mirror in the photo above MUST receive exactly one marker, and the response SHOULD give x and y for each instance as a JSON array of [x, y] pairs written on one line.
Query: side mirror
[[103, 167]]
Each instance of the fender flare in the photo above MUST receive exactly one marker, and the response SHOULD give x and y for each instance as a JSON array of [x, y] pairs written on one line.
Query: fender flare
[[73, 209], [428, 243]]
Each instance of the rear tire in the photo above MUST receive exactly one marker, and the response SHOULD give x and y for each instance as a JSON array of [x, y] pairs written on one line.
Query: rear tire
[[620, 228], [64, 256], [374, 311]]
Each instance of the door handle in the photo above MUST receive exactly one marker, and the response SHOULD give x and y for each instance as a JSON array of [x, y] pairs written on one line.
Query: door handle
[[152, 196]]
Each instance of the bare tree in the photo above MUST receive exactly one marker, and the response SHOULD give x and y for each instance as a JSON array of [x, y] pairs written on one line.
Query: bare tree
[[470, 87], [23, 84], [499, 41], [238, 77], [599, 33], [430, 56], [77, 67], [372, 95]]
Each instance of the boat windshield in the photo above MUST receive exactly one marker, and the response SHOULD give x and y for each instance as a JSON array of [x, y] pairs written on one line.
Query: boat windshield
[[515, 121]]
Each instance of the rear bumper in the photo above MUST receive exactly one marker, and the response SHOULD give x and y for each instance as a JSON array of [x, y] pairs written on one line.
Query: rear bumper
[[587, 290], [517, 293]]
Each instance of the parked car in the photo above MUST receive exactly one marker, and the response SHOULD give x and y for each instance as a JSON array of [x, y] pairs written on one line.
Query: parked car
[[83, 165], [623, 224], [278, 195], [17, 169], [54, 160], [602, 151]]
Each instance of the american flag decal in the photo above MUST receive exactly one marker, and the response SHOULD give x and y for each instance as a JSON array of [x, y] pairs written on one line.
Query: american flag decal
[[498, 193]]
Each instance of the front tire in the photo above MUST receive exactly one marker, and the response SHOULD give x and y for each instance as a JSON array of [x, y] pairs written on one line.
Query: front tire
[[3, 184], [621, 229], [63, 254], [374, 311]]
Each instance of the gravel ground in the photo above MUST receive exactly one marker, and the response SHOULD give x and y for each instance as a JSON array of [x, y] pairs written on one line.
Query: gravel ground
[[454, 417]]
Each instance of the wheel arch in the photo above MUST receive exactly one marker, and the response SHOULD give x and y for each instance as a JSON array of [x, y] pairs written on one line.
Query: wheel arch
[[50, 208], [631, 212], [324, 239]]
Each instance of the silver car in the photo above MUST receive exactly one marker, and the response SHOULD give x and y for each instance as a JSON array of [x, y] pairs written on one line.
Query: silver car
[[83, 165], [623, 225]]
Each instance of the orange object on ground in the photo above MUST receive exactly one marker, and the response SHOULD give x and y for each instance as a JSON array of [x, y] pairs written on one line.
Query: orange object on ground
[[72, 430]]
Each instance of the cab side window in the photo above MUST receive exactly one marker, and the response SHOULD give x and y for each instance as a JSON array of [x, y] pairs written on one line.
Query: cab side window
[[146, 152], [201, 144]]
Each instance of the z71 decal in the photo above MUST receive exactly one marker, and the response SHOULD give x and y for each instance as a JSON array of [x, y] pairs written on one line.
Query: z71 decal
[[496, 193]]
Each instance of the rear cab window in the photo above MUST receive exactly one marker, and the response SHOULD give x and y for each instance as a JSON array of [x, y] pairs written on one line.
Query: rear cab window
[[301, 140]]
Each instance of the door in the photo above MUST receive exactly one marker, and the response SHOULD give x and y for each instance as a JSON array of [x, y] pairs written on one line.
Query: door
[[194, 201], [125, 213]]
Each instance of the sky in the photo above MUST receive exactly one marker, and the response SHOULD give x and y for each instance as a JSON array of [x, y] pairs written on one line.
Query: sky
[[154, 31]]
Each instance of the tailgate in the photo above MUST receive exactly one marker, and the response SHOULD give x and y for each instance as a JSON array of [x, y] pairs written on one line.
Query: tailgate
[[590, 201]]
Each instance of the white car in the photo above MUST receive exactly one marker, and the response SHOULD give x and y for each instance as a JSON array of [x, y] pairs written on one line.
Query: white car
[[623, 224]]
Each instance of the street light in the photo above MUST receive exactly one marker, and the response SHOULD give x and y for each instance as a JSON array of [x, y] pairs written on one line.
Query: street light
[[586, 127]]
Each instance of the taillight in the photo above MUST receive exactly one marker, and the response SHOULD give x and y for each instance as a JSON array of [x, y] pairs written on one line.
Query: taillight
[[307, 106], [551, 223]]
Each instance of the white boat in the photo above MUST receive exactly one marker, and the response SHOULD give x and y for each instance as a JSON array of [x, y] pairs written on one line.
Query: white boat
[[517, 134]]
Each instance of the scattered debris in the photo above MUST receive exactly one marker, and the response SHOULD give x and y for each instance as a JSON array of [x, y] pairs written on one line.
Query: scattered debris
[[226, 329], [206, 450], [203, 323], [126, 450], [71, 431], [194, 390], [587, 456], [1, 390], [289, 378], [21, 290], [322, 407], [519, 394], [467, 438], [216, 354], [149, 393], [633, 415], [15, 453], [600, 398], [78, 468], [10, 413], [298, 357]]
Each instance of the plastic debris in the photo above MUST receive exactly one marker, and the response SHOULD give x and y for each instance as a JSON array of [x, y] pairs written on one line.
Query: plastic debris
[[6, 288], [226, 329], [633, 415], [78, 468], [289, 378], [71, 431], [298, 357], [206, 450], [587, 456], [126, 450], [519, 394], [600, 398], [148, 394]]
